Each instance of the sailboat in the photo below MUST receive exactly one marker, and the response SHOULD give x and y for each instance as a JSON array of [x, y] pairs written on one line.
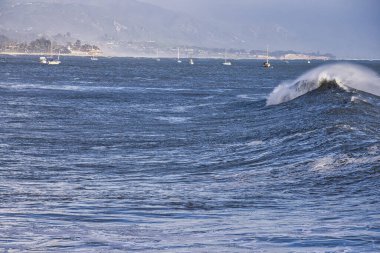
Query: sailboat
[[191, 61], [226, 63], [267, 64], [54, 61], [50, 60], [93, 58], [157, 56], [43, 60], [178, 59]]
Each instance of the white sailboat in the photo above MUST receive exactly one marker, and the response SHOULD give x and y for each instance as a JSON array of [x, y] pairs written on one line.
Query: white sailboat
[[50, 60], [43, 60], [93, 58], [191, 62], [178, 59], [267, 64], [226, 63], [157, 56], [54, 61]]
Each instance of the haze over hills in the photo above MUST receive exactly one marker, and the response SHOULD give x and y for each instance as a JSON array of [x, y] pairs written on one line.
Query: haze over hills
[[128, 20], [346, 28], [217, 24]]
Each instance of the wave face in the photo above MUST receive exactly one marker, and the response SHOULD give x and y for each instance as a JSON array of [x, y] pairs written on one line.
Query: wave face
[[344, 75]]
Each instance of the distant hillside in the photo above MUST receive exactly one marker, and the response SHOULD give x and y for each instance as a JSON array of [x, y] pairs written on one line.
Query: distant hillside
[[127, 20], [115, 25]]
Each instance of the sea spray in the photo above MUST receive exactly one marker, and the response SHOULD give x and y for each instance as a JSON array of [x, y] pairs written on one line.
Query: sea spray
[[345, 75]]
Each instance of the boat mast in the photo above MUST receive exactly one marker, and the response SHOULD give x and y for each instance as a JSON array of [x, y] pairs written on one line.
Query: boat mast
[[51, 49], [158, 55], [267, 54]]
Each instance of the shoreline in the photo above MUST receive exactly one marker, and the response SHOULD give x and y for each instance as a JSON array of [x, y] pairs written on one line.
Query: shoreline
[[174, 57]]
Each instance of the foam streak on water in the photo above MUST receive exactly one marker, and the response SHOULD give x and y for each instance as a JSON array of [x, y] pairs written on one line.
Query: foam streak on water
[[123, 155]]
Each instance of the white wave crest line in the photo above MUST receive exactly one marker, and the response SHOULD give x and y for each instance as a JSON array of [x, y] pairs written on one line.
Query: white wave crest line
[[331, 162], [346, 75]]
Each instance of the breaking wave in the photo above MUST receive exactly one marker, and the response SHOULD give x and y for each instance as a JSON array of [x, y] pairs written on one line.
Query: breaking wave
[[344, 75]]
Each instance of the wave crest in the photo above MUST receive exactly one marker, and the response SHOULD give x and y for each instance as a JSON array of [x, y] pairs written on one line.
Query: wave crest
[[343, 75]]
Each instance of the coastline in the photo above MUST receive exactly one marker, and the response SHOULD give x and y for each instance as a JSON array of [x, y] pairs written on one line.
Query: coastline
[[216, 57], [147, 56]]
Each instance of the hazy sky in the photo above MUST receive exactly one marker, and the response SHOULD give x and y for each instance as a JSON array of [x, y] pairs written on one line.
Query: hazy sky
[[346, 28]]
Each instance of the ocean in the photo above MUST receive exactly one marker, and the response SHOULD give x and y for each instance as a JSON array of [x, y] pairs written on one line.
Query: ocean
[[135, 155]]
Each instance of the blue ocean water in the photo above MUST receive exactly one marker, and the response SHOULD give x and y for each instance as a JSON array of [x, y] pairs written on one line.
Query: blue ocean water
[[123, 154]]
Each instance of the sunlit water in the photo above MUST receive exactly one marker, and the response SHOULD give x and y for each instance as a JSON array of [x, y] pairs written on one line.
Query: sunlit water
[[121, 155]]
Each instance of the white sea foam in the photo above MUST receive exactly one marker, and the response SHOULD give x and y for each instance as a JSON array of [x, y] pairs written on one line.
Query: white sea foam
[[253, 97], [174, 120], [335, 162], [323, 163], [346, 75], [255, 143], [63, 87]]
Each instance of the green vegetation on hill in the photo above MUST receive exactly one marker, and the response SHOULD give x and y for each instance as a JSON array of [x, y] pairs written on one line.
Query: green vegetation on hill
[[43, 45]]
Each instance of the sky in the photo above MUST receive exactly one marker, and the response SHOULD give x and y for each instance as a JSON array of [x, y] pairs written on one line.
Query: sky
[[346, 28]]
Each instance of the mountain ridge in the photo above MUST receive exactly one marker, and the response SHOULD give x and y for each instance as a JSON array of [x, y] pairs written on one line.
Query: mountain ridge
[[99, 22]]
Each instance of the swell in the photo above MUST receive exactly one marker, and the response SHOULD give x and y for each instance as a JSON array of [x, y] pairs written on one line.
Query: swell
[[343, 75]]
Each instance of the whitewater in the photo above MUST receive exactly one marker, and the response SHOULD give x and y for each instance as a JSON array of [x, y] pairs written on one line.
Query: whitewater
[[345, 75]]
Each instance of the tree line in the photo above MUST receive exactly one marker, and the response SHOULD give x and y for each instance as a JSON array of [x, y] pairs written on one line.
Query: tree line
[[43, 45]]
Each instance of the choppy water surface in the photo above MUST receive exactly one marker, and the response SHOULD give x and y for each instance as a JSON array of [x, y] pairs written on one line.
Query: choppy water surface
[[123, 155]]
